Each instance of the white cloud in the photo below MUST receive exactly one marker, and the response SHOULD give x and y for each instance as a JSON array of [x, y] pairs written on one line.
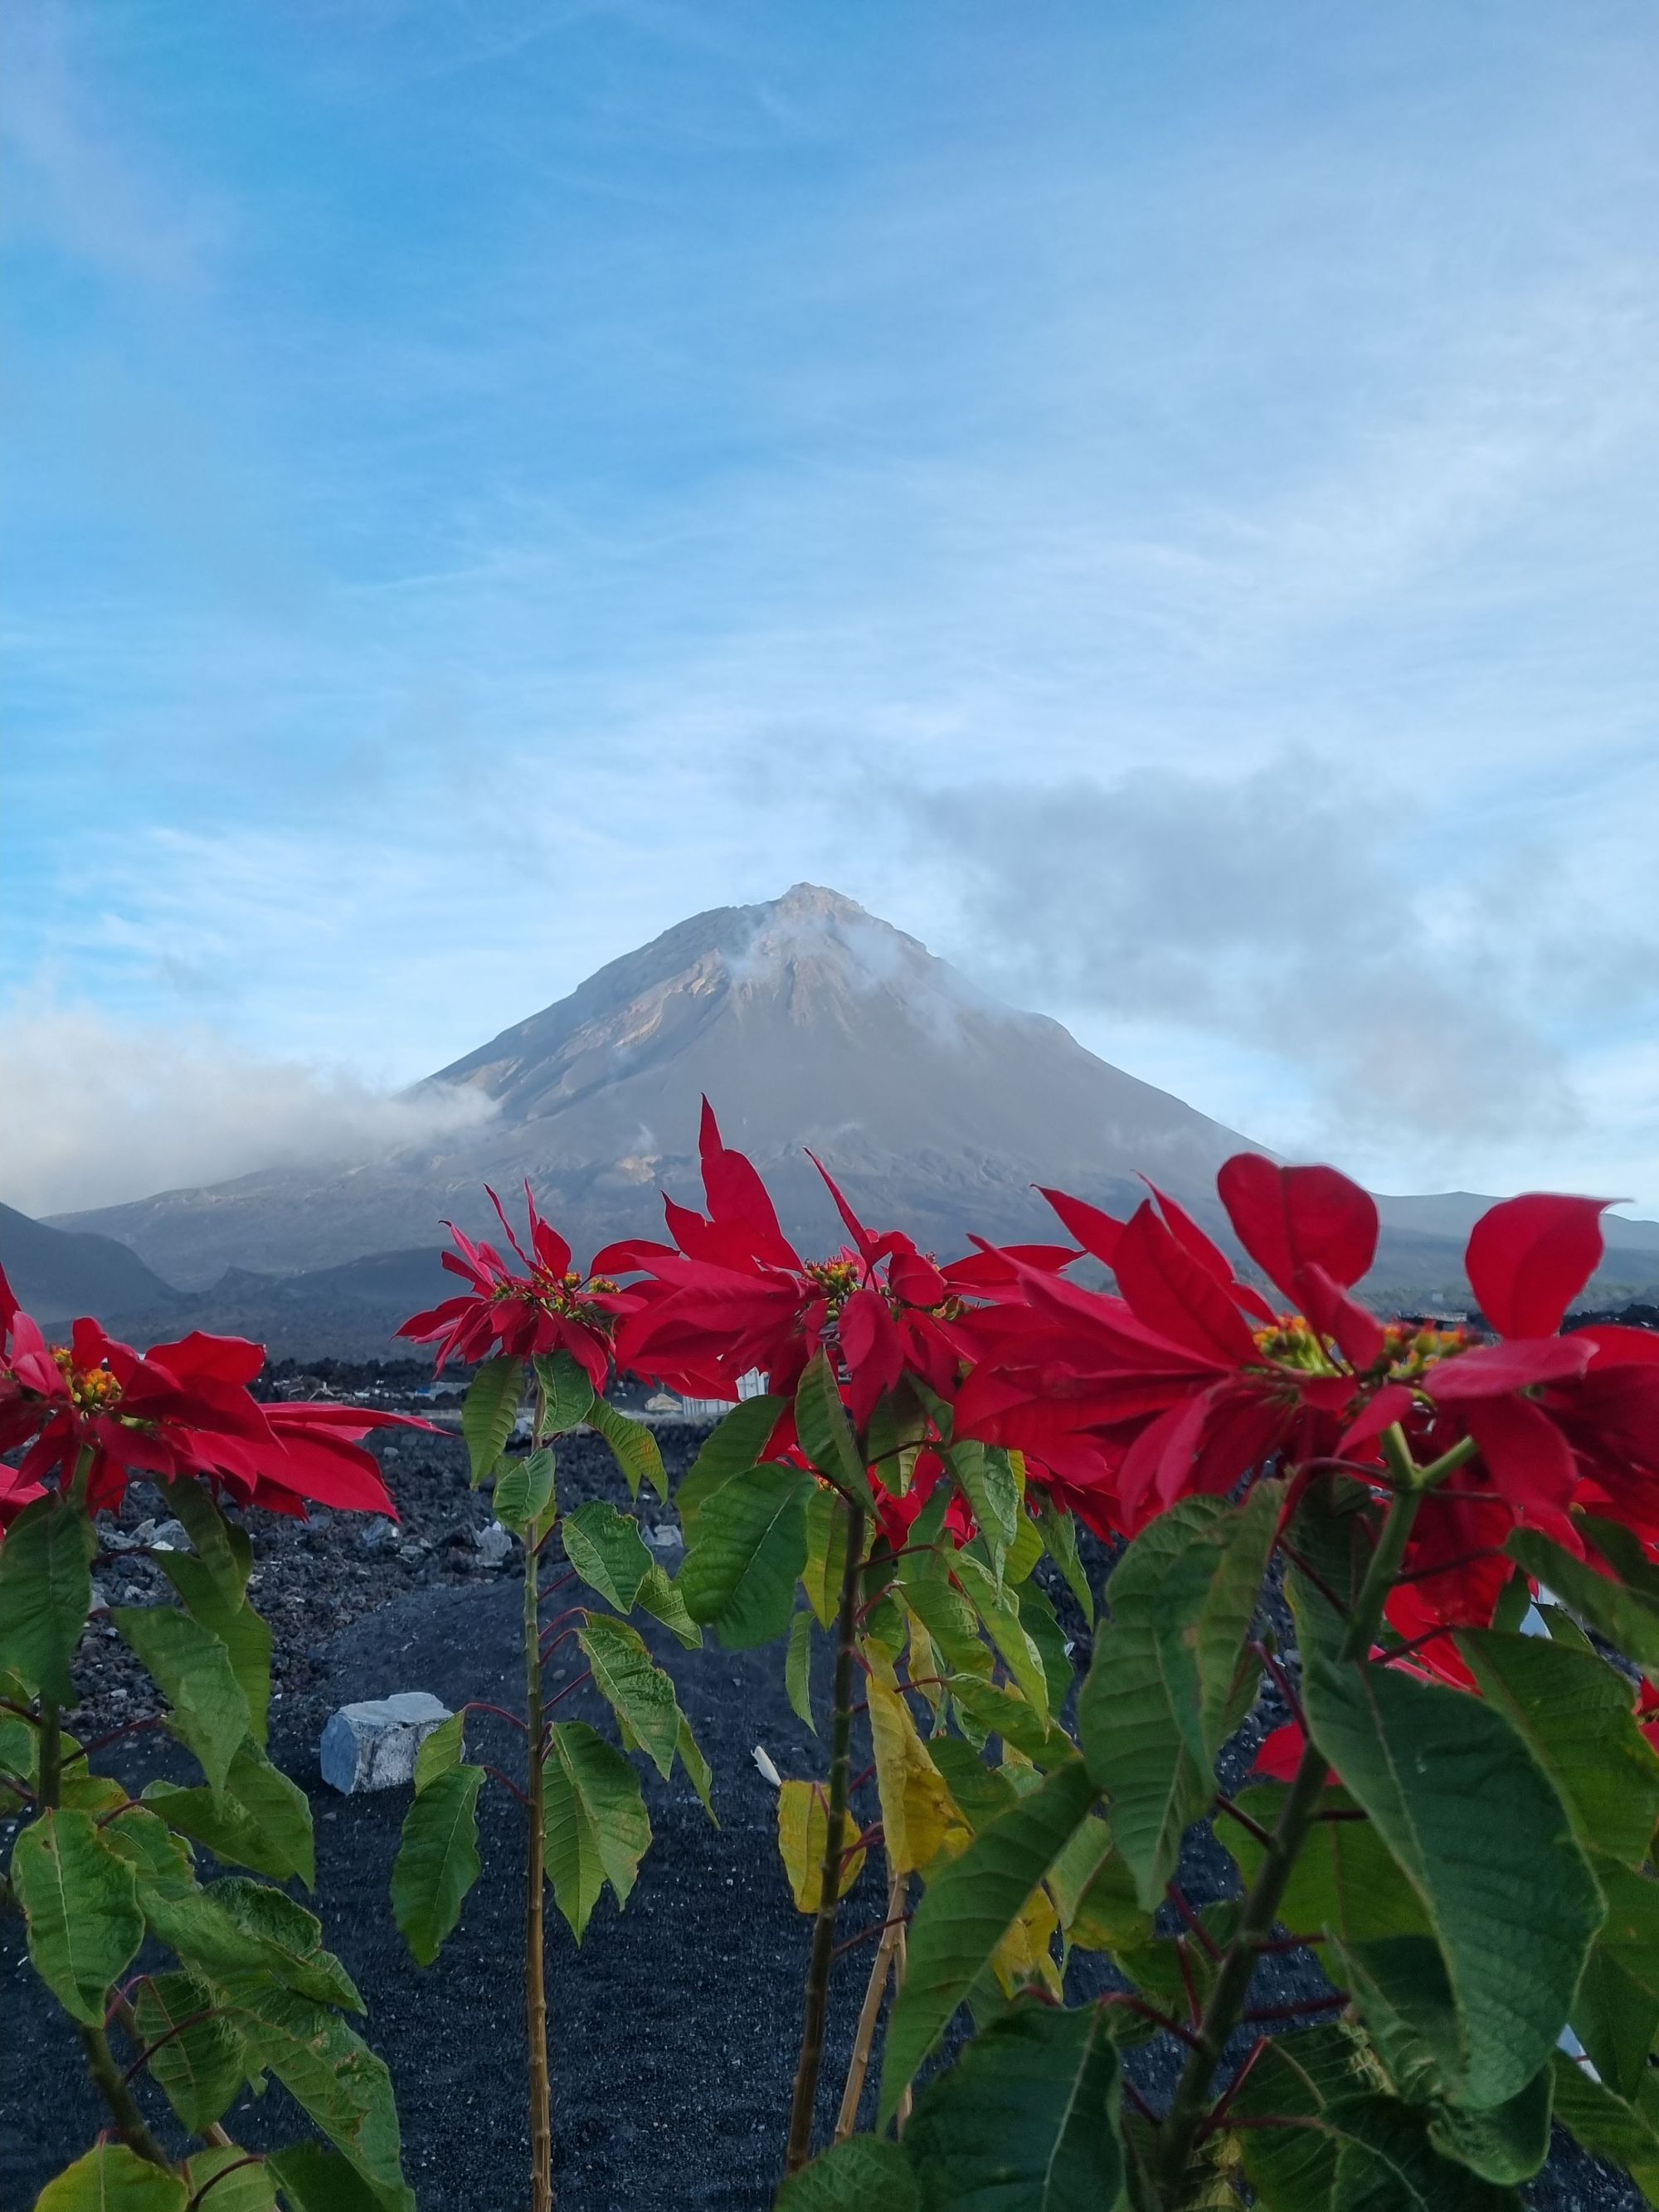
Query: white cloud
[[93, 1112]]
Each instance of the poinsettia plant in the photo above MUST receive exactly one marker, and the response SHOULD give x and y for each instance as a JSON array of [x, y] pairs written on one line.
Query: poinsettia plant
[[98, 1874], [542, 1333], [1455, 1819]]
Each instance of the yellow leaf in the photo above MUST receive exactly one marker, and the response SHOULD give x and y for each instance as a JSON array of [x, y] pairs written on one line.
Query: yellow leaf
[[917, 1810], [1026, 1954], [803, 1828]]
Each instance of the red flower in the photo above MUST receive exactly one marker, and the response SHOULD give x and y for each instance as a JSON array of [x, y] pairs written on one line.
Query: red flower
[[1184, 1380], [176, 1410], [732, 1295], [550, 1308], [1173, 1386]]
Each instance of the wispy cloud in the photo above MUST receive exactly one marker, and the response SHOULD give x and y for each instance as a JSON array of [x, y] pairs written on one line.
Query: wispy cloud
[[108, 200], [93, 1111]]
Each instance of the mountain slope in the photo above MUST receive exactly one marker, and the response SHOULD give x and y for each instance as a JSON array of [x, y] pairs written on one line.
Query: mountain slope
[[808, 1023], [57, 1274]]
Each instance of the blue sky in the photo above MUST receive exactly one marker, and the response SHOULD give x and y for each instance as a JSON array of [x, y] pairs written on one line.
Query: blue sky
[[1157, 500]]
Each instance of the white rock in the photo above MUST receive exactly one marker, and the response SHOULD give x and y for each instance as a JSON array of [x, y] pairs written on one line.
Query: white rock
[[495, 1544], [171, 1536], [371, 1745], [665, 1538]]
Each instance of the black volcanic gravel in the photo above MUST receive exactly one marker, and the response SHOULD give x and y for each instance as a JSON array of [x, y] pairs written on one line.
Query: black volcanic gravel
[[674, 2025]]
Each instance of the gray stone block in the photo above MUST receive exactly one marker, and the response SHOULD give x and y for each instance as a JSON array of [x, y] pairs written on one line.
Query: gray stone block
[[495, 1544], [371, 1745]]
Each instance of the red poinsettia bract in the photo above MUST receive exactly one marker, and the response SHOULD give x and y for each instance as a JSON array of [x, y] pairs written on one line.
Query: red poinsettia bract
[[1186, 1382], [180, 1409], [551, 1307], [732, 1295]]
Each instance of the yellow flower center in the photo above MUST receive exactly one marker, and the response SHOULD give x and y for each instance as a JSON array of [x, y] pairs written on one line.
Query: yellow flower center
[[92, 1390]]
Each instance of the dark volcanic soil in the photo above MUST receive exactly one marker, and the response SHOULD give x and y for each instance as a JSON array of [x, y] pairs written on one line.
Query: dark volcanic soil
[[674, 2026]]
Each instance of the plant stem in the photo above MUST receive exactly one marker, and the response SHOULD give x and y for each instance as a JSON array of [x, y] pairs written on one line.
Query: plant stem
[[1223, 2012], [130, 2122], [804, 2103], [848, 2118], [535, 1961]]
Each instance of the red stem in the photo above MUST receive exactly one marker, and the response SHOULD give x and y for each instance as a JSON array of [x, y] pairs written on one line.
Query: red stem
[[1334, 2003], [481, 1705], [1183, 1905], [1224, 2104]]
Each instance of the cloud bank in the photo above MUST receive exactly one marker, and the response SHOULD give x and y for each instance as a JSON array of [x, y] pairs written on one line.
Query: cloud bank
[[1291, 911], [92, 1113]]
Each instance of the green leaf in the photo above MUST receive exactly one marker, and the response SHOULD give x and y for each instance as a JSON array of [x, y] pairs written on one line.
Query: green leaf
[[437, 1861], [1605, 2125], [969, 1906], [246, 2187], [661, 1597], [988, 1483], [740, 1576], [113, 2178], [827, 1525], [240, 1935], [80, 1901], [244, 1636], [490, 1411], [1060, 1539], [1026, 1554], [330, 2071], [202, 2064], [950, 1623], [567, 1395], [1040, 1621], [697, 1766], [162, 1862], [636, 1689], [797, 1669], [861, 2175], [261, 1820], [209, 1711], [1346, 1881], [1574, 1714], [313, 2179], [1626, 1614], [46, 1593], [194, 1505], [826, 1434], [1508, 2143], [1000, 1611], [440, 1751], [632, 1446], [731, 1448], [607, 1551], [1362, 2151], [1026, 2120], [1513, 1904], [597, 1827], [1616, 2013], [979, 1791], [524, 1489], [1141, 1710], [1007, 1714]]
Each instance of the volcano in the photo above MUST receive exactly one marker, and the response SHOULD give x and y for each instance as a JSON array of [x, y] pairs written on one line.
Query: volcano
[[808, 1023]]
